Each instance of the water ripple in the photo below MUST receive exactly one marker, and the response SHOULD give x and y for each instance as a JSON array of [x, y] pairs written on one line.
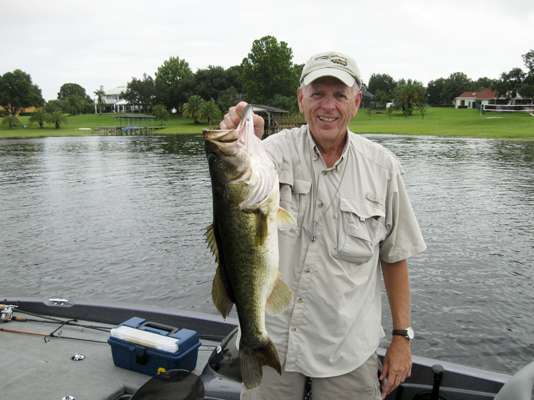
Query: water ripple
[[123, 219]]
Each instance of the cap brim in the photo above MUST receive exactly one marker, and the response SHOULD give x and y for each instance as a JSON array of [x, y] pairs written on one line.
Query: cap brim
[[343, 76]]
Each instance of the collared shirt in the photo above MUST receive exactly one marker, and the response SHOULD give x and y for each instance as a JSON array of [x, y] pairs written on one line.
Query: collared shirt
[[349, 217]]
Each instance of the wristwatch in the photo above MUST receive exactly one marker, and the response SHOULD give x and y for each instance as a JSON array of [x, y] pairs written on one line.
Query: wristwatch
[[408, 333]]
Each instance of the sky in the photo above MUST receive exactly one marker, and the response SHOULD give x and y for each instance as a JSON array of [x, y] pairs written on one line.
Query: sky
[[106, 43]]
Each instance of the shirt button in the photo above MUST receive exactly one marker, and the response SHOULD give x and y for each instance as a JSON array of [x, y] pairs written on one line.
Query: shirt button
[[320, 204], [293, 329], [300, 300]]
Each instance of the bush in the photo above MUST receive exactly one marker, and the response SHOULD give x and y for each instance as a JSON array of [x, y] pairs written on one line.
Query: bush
[[10, 121], [160, 112]]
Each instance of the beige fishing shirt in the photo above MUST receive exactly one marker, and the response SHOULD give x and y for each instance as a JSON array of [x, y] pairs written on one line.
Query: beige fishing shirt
[[349, 217]]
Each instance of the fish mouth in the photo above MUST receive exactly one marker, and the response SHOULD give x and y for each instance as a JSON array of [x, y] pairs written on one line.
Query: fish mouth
[[220, 135]]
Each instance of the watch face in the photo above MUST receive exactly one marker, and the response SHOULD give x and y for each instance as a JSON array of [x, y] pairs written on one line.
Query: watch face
[[410, 333]]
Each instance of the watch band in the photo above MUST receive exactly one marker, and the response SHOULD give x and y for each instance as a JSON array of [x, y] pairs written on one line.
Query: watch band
[[407, 333]]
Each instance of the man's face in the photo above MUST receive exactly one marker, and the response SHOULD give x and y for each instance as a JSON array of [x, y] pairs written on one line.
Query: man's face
[[328, 106]]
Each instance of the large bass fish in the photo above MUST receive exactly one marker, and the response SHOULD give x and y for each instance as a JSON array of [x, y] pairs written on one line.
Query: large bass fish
[[244, 240]]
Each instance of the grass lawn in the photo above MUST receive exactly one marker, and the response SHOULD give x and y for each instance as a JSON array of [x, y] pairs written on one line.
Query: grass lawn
[[448, 122], [437, 121], [77, 126]]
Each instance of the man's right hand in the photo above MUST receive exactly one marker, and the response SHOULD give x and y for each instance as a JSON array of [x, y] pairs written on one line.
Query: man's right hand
[[233, 117]]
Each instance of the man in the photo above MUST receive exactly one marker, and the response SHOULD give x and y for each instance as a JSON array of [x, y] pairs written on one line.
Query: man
[[354, 219]]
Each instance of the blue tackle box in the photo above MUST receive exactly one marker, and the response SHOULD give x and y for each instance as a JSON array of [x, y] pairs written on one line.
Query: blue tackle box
[[141, 355]]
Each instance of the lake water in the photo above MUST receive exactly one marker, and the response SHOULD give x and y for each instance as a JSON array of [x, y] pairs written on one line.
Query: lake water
[[123, 218]]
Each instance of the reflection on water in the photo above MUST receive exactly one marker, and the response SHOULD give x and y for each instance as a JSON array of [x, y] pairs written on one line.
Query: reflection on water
[[122, 219]]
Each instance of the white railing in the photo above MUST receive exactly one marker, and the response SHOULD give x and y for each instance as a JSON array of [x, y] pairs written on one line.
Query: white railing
[[508, 107]]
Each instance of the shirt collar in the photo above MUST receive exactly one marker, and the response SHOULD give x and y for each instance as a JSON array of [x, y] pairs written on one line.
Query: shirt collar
[[316, 153]]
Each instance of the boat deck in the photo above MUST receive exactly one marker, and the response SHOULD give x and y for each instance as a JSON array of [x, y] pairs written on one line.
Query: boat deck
[[35, 365], [36, 356]]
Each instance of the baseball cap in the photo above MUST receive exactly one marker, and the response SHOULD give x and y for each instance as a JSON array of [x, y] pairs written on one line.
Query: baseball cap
[[337, 65]]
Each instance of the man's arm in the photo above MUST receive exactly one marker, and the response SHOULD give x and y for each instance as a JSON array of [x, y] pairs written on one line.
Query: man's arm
[[398, 360]]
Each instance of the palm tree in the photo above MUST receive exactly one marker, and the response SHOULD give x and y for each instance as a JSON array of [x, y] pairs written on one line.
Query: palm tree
[[210, 111], [100, 98], [192, 108], [57, 118], [39, 117]]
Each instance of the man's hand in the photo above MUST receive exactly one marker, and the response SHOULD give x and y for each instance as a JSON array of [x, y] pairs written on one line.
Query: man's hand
[[233, 117], [397, 365]]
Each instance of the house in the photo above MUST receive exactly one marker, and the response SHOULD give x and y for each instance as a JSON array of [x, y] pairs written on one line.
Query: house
[[113, 102], [475, 99]]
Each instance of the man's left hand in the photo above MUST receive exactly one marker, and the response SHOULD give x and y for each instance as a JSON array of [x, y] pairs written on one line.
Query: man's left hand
[[397, 365]]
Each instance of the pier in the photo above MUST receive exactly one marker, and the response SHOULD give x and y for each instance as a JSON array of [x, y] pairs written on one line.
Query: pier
[[129, 125]]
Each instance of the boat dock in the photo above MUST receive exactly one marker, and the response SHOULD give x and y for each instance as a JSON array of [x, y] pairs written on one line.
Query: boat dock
[[129, 125]]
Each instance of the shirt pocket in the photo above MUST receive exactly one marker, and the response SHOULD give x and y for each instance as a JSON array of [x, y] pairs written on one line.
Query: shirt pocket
[[293, 194], [360, 229]]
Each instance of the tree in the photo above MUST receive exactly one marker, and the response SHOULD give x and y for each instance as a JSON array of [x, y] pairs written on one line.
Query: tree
[[18, 92], [52, 106], [210, 82], [70, 89], [409, 95], [382, 86], [160, 112], [227, 98], [192, 108], [74, 100], [174, 81], [76, 105], [39, 117], [11, 121], [100, 99], [528, 59], [455, 84], [510, 83], [210, 112], [268, 70], [141, 92], [57, 118], [435, 92], [484, 83], [527, 86], [288, 103], [234, 77]]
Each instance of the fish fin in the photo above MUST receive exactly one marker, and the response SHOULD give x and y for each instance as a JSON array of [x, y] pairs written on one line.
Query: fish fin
[[262, 228], [279, 298], [221, 291], [212, 241], [284, 218], [252, 360], [220, 297]]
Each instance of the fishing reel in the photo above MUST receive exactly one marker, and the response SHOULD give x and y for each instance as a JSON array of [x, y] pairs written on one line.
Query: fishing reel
[[6, 312]]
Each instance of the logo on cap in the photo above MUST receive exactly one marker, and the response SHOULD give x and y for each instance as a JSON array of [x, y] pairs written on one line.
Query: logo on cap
[[335, 59]]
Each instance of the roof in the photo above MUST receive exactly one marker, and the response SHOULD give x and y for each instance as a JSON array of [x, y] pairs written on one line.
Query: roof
[[483, 94], [115, 91]]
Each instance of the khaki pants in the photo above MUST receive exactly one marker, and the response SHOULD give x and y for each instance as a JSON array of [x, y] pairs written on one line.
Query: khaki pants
[[362, 383]]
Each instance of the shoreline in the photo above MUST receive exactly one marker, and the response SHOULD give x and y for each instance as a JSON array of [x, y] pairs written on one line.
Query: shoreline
[[441, 122], [401, 134]]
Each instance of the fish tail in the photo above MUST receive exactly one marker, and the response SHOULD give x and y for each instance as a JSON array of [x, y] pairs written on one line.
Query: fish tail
[[252, 360]]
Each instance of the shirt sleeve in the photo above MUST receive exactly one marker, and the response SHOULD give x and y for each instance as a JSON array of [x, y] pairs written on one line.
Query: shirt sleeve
[[404, 238]]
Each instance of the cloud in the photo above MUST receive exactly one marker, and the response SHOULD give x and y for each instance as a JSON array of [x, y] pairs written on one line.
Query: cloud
[[108, 42]]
